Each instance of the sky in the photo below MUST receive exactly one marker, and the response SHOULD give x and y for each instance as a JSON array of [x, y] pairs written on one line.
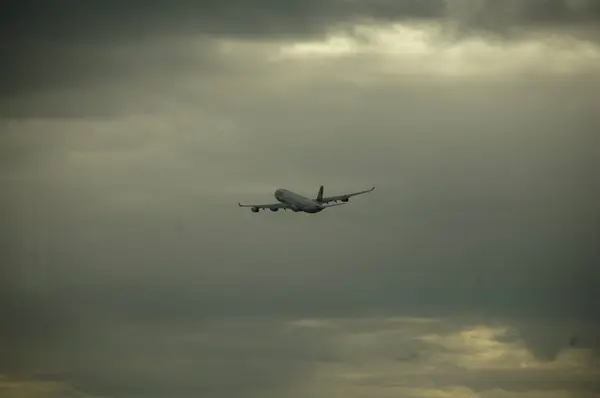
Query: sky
[[130, 130]]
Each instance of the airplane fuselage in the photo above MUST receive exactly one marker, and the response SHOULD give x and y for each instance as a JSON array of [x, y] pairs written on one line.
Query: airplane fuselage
[[298, 202]]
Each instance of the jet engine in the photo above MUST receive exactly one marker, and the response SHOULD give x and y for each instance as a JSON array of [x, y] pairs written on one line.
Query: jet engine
[[254, 209], [274, 209], [345, 200]]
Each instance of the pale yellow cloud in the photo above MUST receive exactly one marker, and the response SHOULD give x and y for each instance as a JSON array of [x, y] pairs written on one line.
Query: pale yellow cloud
[[421, 49], [311, 323], [464, 392], [479, 347], [483, 347], [397, 357], [362, 391], [38, 389]]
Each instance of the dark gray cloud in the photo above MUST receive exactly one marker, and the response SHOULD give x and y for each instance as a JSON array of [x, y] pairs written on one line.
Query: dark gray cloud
[[64, 43], [291, 17]]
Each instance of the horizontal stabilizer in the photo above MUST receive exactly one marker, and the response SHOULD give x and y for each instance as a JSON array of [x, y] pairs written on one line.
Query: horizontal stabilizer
[[334, 204]]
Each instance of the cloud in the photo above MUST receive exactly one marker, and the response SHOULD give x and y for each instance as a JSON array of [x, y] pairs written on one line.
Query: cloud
[[291, 17], [67, 43], [10, 388], [375, 356], [404, 50], [128, 270], [508, 163], [214, 74], [441, 357], [115, 357]]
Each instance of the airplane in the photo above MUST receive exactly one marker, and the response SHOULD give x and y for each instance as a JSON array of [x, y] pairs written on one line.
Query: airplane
[[296, 202]]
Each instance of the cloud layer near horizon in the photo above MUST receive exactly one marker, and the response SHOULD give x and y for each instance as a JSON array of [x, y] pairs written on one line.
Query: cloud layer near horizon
[[128, 270]]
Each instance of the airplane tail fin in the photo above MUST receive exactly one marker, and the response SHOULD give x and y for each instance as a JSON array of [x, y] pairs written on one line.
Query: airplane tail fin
[[320, 194]]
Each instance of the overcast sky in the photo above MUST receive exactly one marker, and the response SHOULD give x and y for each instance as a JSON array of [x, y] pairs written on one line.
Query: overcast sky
[[130, 130]]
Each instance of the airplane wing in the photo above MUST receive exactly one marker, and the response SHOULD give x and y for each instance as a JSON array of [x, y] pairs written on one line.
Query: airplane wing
[[344, 197], [271, 206]]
